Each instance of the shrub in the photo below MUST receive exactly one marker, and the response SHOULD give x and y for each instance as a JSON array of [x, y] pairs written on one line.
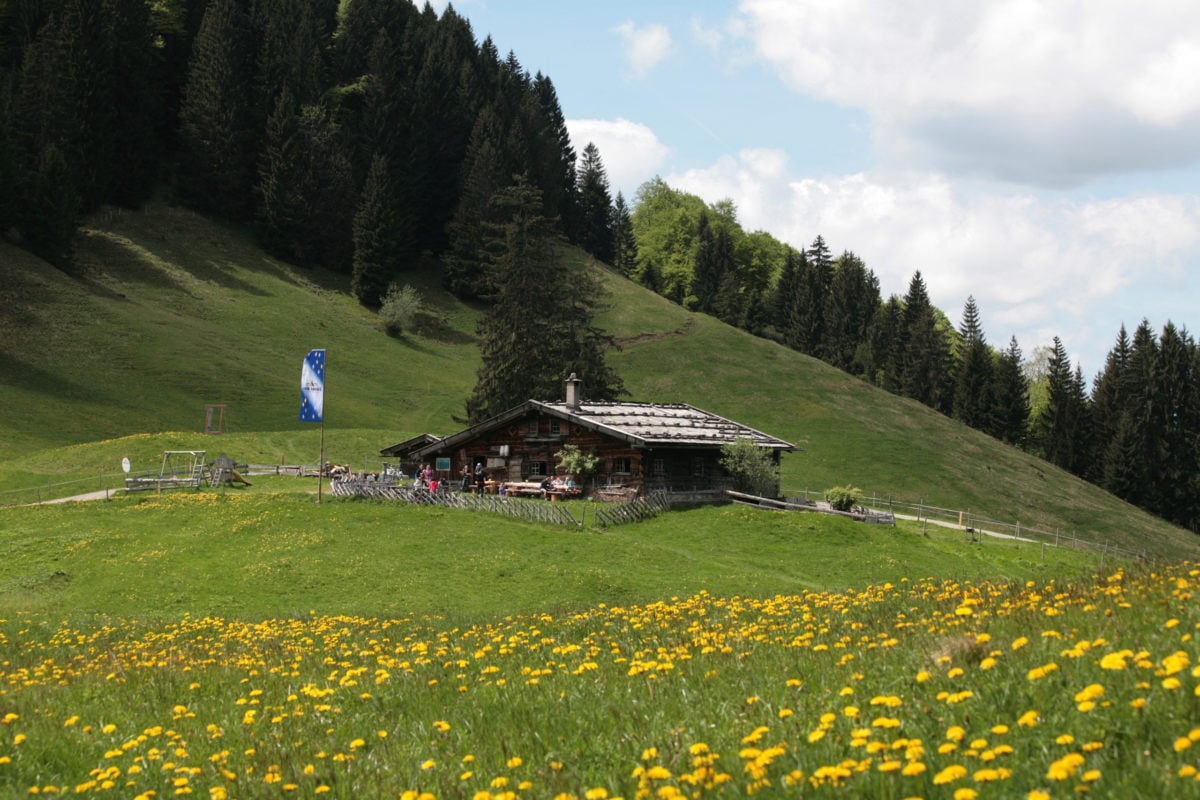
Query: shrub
[[400, 309], [753, 468], [844, 498], [577, 463]]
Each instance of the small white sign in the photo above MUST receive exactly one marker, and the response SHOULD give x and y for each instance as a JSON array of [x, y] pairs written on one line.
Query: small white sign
[[125, 464]]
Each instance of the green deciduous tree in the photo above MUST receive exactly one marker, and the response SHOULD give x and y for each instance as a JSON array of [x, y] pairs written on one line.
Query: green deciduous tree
[[754, 469]]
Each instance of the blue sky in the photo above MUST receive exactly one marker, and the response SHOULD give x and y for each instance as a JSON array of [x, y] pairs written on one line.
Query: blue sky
[[1041, 156]]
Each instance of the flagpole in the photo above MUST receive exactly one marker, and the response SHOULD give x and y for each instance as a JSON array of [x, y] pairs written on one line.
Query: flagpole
[[321, 463]]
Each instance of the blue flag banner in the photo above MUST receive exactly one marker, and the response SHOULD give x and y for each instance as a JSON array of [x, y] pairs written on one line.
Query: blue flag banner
[[312, 387]]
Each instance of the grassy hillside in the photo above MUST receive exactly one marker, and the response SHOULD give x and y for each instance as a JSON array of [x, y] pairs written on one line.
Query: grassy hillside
[[170, 311], [262, 552]]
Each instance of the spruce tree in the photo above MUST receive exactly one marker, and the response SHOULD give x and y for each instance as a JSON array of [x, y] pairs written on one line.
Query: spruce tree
[[382, 242], [540, 325], [217, 143], [1010, 418], [595, 206], [625, 247], [784, 295], [1177, 417], [923, 350], [728, 305], [706, 274], [884, 357], [306, 188], [51, 209], [560, 191], [1061, 427], [974, 402], [850, 309], [1108, 406], [483, 176]]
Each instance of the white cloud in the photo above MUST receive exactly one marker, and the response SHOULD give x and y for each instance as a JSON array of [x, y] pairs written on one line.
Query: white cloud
[[1077, 269], [645, 48], [1032, 91], [630, 151]]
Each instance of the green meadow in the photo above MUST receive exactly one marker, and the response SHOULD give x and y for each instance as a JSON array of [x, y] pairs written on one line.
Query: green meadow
[[255, 643]]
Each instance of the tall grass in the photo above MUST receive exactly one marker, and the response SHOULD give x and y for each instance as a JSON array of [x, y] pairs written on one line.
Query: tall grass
[[913, 688]]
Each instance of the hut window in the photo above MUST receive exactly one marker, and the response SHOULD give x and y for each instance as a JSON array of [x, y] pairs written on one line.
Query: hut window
[[555, 426], [660, 467], [697, 467], [537, 467], [621, 466]]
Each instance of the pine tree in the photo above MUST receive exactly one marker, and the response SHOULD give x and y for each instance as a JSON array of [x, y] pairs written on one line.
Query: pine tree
[[1010, 419], [1061, 427], [217, 143], [974, 402], [850, 309], [1177, 418], [806, 321], [382, 242], [595, 206], [292, 53], [884, 357], [1133, 478], [483, 176], [1108, 405], [307, 190], [560, 191], [625, 248], [922, 349], [784, 294], [706, 274], [51, 209], [728, 305], [538, 329]]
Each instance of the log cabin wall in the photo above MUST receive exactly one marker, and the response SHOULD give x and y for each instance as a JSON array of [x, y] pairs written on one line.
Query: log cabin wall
[[526, 447]]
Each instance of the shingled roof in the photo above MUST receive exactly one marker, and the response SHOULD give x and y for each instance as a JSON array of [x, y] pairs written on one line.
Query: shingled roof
[[650, 424], [640, 424]]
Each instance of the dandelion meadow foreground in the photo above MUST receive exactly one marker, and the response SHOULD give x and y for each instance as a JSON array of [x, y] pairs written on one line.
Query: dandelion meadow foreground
[[921, 689]]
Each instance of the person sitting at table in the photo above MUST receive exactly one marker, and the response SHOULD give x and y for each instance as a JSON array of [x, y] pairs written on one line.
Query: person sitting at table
[[547, 485]]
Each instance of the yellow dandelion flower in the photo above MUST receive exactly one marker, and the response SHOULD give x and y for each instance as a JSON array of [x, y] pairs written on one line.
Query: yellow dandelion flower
[[950, 774], [1115, 660], [1029, 719]]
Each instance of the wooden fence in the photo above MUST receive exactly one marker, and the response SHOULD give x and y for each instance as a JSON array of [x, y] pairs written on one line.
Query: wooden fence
[[651, 505], [520, 508]]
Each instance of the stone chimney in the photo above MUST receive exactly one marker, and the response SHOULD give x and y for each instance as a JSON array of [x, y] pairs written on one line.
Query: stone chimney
[[573, 392]]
